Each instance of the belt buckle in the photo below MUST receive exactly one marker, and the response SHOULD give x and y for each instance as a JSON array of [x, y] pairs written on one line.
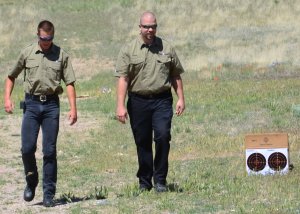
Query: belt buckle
[[43, 98]]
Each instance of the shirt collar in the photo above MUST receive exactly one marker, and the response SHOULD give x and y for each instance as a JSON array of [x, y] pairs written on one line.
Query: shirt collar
[[143, 45]]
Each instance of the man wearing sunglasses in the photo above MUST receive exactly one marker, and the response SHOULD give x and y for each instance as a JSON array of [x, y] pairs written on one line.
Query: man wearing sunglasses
[[44, 65], [147, 68]]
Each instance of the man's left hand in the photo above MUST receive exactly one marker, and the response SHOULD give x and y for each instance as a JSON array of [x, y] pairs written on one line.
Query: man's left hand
[[180, 106]]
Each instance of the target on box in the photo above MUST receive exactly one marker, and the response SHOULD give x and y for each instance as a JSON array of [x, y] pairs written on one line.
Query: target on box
[[267, 153]]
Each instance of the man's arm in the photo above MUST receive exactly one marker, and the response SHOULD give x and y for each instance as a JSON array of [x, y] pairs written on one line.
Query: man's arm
[[9, 85], [178, 87], [72, 102], [121, 112]]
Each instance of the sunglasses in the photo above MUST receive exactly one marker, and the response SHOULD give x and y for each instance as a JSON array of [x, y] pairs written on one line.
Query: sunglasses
[[46, 39], [149, 26]]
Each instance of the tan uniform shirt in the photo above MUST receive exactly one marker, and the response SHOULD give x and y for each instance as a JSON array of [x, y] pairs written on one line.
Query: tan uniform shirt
[[43, 72], [149, 68]]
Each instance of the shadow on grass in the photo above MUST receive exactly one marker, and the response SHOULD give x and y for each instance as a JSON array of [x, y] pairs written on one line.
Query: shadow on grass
[[173, 187], [135, 191], [63, 201]]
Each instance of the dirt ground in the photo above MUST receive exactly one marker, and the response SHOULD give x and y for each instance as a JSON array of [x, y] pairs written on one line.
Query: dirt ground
[[12, 180]]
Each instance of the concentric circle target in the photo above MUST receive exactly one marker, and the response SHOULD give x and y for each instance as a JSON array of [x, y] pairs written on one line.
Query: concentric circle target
[[277, 161], [256, 162]]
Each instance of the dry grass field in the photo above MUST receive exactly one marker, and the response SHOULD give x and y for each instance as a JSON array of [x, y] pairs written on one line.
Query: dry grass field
[[242, 62]]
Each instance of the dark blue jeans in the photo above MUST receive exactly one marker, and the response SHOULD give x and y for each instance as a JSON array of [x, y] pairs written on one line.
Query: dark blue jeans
[[45, 115], [148, 117]]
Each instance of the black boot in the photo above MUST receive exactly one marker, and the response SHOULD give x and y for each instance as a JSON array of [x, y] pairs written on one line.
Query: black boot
[[48, 201], [29, 193], [32, 182]]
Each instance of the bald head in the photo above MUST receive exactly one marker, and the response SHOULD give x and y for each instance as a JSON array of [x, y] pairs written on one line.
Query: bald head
[[148, 27], [147, 16]]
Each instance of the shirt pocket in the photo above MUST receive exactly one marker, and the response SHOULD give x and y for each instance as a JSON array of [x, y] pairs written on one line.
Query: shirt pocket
[[136, 64], [54, 70], [163, 64], [31, 70]]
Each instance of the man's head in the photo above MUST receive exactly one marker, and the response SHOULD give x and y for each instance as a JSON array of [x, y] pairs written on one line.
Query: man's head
[[148, 27], [45, 32]]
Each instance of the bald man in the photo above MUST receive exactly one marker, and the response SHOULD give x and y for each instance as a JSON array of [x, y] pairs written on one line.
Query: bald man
[[147, 68]]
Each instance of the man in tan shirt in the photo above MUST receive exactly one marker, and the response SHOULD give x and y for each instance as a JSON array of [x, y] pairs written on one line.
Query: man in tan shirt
[[44, 65], [147, 68]]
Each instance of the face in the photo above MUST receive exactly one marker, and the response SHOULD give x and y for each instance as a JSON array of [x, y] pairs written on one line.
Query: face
[[148, 28], [45, 39]]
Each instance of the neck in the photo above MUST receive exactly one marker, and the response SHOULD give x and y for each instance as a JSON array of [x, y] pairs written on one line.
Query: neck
[[148, 41]]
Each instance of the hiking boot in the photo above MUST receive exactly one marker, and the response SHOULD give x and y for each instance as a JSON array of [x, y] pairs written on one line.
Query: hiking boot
[[29, 193], [160, 187]]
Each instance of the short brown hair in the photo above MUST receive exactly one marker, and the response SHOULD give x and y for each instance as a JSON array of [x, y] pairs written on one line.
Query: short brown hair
[[46, 26]]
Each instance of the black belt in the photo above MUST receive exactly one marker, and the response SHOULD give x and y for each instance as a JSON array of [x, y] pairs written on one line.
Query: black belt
[[164, 94], [42, 97]]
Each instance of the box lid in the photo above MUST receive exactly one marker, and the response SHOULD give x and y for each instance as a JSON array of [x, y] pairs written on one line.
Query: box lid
[[266, 140]]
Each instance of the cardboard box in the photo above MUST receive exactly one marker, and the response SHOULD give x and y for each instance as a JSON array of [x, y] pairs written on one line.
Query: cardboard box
[[267, 153], [266, 141]]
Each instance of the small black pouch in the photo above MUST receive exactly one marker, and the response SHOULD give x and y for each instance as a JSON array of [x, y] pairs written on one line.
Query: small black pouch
[[22, 104]]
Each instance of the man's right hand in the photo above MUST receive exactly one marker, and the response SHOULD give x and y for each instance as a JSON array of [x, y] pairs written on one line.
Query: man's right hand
[[9, 106], [121, 114]]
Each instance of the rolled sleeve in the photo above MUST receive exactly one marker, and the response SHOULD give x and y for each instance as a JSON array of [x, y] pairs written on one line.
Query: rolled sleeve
[[68, 72], [18, 67], [122, 65], [177, 68]]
